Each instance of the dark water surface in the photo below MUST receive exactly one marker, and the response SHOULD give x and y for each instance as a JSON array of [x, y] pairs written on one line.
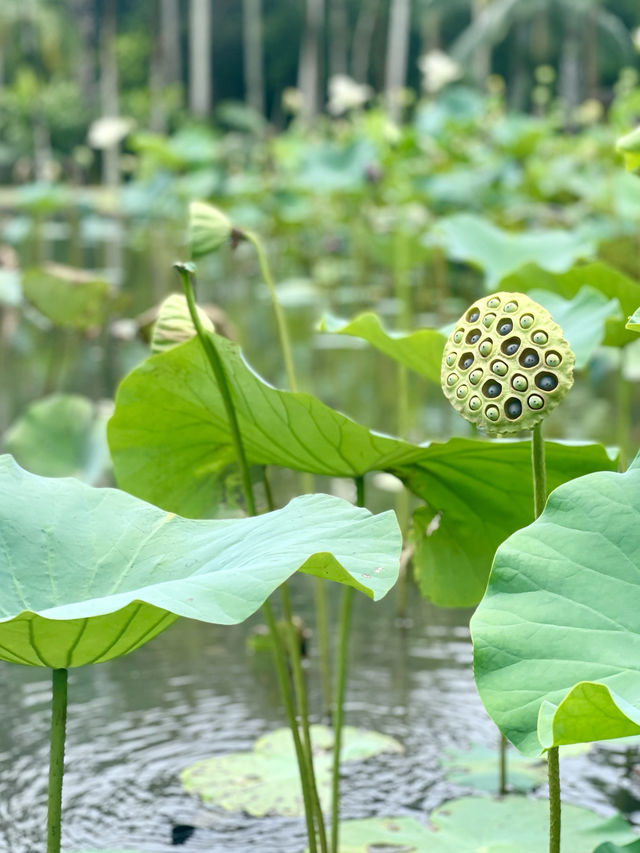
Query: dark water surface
[[134, 723]]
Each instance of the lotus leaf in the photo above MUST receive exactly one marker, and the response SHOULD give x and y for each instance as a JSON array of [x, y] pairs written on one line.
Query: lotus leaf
[[90, 574], [557, 635], [470, 238], [609, 281], [629, 147], [67, 296], [62, 436], [266, 780], [420, 351], [170, 443], [633, 322]]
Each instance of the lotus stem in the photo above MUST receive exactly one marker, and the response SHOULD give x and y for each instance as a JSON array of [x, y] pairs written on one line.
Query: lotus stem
[[539, 472], [281, 323], [56, 759], [554, 800], [285, 690], [502, 789], [322, 628], [341, 680], [300, 689], [210, 349]]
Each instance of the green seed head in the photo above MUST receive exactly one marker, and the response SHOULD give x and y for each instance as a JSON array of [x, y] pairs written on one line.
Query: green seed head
[[518, 374]]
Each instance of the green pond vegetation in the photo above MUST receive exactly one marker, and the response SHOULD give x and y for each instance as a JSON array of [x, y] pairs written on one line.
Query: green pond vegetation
[[151, 473]]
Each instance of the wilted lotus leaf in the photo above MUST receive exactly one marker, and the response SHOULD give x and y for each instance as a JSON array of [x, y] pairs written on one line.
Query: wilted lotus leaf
[[506, 365]]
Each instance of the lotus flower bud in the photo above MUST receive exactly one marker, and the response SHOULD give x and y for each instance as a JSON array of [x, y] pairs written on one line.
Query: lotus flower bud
[[173, 325], [209, 228], [506, 364]]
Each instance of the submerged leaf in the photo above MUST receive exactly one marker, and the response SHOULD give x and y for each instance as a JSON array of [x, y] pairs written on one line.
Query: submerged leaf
[[557, 635], [266, 780], [90, 574]]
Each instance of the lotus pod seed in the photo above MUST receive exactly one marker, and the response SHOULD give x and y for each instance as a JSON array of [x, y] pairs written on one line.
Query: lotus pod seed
[[529, 358], [486, 347], [543, 364], [520, 382], [535, 401], [511, 346]]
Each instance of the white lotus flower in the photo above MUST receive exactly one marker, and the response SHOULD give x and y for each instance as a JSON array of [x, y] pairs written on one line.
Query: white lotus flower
[[108, 131], [438, 70], [345, 94]]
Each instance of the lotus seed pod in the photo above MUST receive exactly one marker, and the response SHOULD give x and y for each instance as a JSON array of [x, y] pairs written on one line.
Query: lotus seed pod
[[209, 228], [173, 325], [514, 357]]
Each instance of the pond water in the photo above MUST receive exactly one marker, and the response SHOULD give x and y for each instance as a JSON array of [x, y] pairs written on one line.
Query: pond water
[[134, 723]]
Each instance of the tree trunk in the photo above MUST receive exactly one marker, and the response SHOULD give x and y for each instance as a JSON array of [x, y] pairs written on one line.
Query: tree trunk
[[83, 12], [395, 77], [569, 85], [158, 110], [309, 67], [590, 41], [362, 39], [170, 37], [200, 83], [338, 32], [109, 86], [430, 30], [518, 66], [482, 54], [253, 61]]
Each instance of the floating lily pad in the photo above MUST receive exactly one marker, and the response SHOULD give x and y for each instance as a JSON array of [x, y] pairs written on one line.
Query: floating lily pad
[[557, 635], [171, 444], [67, 296], [480, 825], [420, 351], [266, 781], [90, 574], [62, 436]]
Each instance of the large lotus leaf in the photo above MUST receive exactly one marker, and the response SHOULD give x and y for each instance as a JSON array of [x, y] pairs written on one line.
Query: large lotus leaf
[[582, 319], [62, 436], [478, 493], [480, 825], [633, 322], [266, 780], [471, 238], [557, 635], [420, 351], [609, 281], [67, 296], [90, 574], [611, 847], [170, 442]]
